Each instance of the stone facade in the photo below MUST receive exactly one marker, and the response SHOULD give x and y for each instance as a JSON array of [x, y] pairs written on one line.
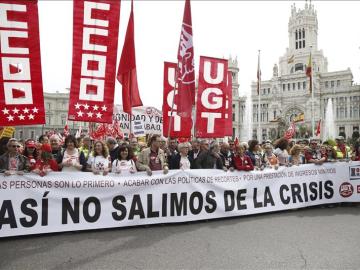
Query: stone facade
[[287, 93], [56, 109]]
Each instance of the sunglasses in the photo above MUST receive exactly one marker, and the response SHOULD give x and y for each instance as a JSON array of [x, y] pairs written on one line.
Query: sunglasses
[[15, 146]]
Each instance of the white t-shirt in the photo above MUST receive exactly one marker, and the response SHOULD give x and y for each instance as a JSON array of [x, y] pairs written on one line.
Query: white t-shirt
[[282, 156], [98, 163], [185, 163], [123, 166], [74, 158]]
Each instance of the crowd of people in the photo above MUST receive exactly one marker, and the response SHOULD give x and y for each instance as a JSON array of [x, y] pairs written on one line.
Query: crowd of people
[[127, 156]]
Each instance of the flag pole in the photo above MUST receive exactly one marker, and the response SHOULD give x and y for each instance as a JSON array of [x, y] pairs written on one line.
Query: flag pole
[[312, 96], [259, 87]]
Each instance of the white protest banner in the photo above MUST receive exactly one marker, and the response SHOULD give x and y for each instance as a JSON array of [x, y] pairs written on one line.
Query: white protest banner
[[150, 117], [31, 204]]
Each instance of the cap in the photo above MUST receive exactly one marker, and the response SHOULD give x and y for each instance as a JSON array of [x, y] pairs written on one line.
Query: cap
[[46, 148], [30, 144]]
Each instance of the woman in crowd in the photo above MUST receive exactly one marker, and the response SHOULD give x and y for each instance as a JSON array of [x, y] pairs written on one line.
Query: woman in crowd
[[45, 163], [73, 160], [43, 139], [124, 163], [254, 152], [181, 160], [99, 160], [242, 162], [281, 152], [296, 157], [30, 151], [269, 157]]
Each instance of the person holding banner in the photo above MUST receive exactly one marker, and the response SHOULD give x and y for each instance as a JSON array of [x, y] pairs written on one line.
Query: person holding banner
[[313, 154], [254, 152], [181, 160], [242, 162], [281, 152], [56, 150], [30, 151], [296, 158], [211, 159], [12, 162], [99, 160], [46, 163], [125, 161], [152, 158], [269, 157], [194, 152], [73, 160], [226, 155]]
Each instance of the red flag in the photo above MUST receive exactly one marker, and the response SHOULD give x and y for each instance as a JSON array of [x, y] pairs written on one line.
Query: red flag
[[21, 88], [66, 130], [127, 69], [309, 73], [95, 44], [211, 110], [318, 128], [180, 126], [290, 131], [185, 69]]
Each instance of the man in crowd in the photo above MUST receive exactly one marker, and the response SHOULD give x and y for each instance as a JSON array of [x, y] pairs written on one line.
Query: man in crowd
[[231, 146], [135, 146], [194, 152], [152, 158], [313, 153], [172, 148], [12, 162], [113, 148], [210, 159], [226, 155], [86, 147], [56, 150], [342, 150]]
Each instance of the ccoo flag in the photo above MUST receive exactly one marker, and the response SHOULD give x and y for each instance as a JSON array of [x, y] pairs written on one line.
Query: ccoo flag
[[127, 69], [185, 69]]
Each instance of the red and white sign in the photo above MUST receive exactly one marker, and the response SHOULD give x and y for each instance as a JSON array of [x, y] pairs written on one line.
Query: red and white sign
[[211, 112], [21, 90], [95, 39], [180, 126]]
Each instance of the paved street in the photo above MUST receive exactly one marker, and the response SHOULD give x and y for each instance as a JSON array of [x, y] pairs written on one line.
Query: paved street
[[304, 239]]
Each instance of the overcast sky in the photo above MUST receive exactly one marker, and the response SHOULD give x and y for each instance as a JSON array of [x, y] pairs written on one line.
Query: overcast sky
[[220, 29]]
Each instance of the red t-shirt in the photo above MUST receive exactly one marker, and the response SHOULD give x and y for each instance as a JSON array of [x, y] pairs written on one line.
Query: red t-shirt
[[243, 163], [155, 163], [41, 165]]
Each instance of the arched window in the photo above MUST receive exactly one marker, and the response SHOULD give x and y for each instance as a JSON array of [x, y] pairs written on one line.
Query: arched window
[[296, 45], [299, 34], [296, 35], [300, 44], [304, 43], [303, 33]]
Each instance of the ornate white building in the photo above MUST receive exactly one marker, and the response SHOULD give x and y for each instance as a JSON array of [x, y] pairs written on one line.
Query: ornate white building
[[56, 110], [287, 93]]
